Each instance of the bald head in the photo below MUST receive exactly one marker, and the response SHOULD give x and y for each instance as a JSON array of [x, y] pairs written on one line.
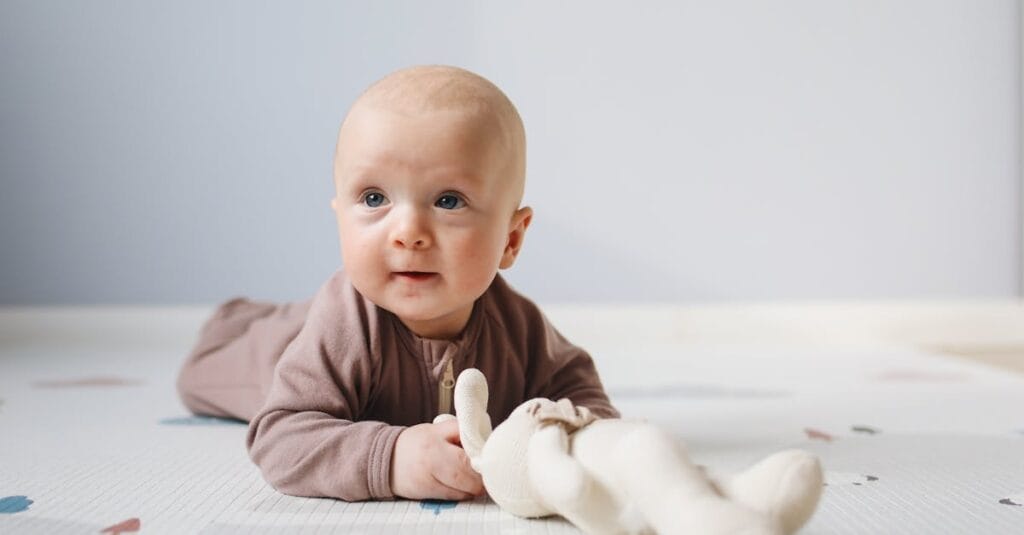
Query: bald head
[[423, 89], [440, 87]]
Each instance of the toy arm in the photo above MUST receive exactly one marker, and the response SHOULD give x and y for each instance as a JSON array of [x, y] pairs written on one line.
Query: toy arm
[[557, 477], [471, 410], [564, 485]]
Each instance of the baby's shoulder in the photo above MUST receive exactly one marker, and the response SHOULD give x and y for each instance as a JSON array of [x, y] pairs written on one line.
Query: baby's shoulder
[[339, 309], [511, 309]]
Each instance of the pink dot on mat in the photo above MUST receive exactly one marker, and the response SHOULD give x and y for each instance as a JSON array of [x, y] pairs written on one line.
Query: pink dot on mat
[[128, 526], [814, 434], [921, 376], [87, 382]]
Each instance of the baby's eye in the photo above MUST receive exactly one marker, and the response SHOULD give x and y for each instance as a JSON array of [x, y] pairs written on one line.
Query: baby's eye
[[450, 201], [373, 199]]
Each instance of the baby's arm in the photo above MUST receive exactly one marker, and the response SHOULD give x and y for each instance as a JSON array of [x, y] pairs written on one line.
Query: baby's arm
[[307, 438], [564, 370], [308, 441], [311, 453]]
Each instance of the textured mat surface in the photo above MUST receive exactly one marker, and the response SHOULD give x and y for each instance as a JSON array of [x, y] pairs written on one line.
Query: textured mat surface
[[93, 439]]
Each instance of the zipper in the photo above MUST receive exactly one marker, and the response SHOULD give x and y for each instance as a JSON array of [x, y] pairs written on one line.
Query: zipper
[[445, 388]]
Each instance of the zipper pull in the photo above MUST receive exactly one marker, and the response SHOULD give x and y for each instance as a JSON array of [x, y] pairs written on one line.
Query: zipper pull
[[445, 388]]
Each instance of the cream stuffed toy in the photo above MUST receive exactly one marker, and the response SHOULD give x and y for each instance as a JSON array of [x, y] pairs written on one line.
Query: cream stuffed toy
[[623, 476]]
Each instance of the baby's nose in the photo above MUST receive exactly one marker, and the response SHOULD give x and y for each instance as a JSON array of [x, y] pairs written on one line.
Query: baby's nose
[[411, 231], [418, 243]]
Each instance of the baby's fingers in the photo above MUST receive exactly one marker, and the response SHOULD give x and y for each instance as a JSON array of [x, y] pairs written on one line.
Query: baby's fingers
[[442, 491], [457, 473], [448, 429]]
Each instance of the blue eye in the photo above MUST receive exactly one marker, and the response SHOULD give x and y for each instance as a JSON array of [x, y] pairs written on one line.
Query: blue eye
[[450, 202], [373, 199]]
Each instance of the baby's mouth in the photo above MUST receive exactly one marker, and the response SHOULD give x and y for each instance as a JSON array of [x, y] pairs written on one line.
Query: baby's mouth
[[415, 276]]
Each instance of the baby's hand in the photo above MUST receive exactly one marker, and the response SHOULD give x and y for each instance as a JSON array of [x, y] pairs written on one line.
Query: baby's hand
[[428, 462]]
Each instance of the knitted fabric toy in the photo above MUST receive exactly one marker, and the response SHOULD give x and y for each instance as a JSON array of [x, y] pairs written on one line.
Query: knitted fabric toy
[[623, 476]]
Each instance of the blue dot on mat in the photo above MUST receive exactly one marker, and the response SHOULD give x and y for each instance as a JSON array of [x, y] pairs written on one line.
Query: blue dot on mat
[[14, 504], [201, 420], [437, 505]]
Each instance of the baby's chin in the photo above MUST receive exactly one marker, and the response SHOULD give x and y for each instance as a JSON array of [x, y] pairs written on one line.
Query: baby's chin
[[432, 320], [418, 313]]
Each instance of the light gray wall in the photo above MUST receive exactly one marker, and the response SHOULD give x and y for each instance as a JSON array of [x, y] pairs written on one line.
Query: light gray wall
[[155, 152]]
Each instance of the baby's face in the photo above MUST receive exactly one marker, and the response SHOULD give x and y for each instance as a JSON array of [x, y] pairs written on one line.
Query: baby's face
[[426, 213]]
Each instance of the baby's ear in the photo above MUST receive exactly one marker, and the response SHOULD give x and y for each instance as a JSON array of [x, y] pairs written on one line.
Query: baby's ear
[[516, 234], [471, 410]]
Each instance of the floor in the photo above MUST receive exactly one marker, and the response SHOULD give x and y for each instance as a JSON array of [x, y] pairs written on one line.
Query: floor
[[92, 437], [1010, 358]]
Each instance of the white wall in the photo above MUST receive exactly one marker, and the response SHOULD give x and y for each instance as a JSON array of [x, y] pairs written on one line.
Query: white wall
[[679, 151]]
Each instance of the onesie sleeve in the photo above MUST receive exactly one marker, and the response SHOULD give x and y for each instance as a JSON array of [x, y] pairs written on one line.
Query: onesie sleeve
[[307, 439], [567, 371]]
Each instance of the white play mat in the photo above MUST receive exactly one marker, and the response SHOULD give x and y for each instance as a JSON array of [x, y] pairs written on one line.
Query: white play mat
[[93, 438]]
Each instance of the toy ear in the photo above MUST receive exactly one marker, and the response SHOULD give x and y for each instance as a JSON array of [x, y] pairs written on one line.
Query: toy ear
[[471, 410]]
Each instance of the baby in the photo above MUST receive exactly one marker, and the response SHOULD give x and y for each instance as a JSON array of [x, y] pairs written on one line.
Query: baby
[[429, 173]]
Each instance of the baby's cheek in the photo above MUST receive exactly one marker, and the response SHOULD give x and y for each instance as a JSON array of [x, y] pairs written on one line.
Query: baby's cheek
[[486, 249], [359, 247], [361, 265], [478, 269]]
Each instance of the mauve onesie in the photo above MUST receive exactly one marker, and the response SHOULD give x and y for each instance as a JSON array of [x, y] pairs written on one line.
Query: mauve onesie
[[327, 386]]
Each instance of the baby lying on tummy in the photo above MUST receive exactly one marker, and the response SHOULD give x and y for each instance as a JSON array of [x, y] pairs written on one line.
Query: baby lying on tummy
[[429, 174]]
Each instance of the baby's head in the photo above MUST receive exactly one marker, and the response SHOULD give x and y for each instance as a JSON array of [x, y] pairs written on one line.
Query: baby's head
[[429, 173]]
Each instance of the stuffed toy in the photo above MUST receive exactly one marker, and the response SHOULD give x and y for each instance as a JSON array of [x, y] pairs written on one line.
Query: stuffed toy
[[623, 476]]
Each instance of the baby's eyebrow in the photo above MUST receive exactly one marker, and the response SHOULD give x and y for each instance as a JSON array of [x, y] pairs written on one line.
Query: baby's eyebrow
[[460, 178], [358, 179]]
